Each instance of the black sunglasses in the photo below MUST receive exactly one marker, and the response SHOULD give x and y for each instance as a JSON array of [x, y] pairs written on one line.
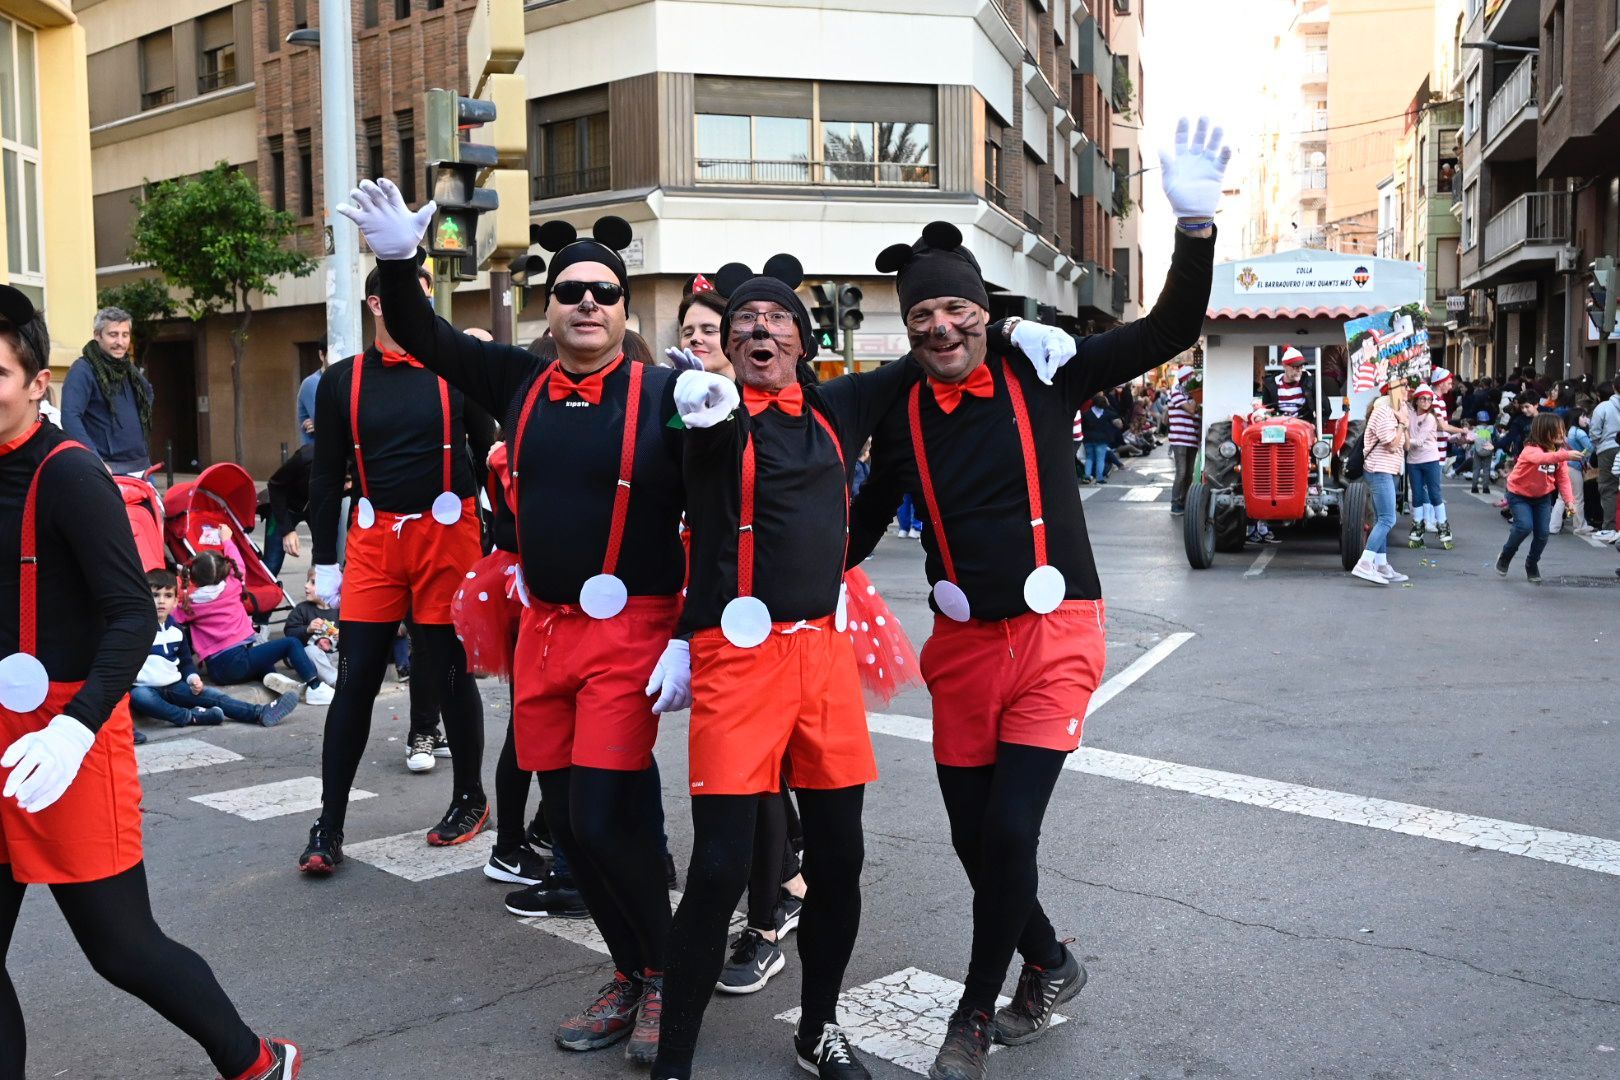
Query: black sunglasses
[[607, 293]]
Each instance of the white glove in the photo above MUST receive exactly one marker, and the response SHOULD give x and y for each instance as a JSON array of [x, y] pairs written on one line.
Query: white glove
[[683, 359], [1047, 347], [703, 399], [43, 763], [1192, 174], [386, 222], [329, 584], [672, 678]]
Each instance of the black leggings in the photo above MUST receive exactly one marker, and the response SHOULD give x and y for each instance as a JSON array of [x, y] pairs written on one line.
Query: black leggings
[[112, 920], [775, 859], [606, 824], [437, 658], [722, 844], [995, 813], [512, 795]]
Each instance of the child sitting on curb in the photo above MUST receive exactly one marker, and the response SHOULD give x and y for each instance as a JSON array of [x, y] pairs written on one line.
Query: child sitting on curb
[[315, 626]]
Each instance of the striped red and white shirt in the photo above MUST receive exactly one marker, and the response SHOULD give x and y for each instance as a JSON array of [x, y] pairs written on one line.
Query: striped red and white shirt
[[1380, 450], [1290, 398], [1185, 429]]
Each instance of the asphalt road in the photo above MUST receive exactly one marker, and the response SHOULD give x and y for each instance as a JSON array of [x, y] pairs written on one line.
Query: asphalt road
[[1304, 911]]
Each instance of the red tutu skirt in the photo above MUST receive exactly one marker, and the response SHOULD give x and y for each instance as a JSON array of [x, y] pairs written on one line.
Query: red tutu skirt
[[883, 652], [485, 613]]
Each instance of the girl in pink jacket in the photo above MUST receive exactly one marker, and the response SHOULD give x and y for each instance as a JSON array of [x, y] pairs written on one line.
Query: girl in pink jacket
[[1540, 475]]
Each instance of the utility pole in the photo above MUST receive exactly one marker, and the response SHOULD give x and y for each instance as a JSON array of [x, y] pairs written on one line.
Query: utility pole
[[343, 281]]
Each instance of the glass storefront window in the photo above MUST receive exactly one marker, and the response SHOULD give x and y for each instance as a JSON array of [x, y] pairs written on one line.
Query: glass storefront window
[[19, 157]]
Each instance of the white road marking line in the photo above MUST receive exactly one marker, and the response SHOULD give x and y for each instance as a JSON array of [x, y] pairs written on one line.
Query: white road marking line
[[172, 755], [1261, 562], [262, 801], [1138, 668], [584, 931], [1143, 493], [411, 857], [902, 1017], [1088, 491]]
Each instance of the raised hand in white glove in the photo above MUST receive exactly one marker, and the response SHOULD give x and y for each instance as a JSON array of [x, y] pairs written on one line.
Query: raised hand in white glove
[[703, 398], [1047, 347], [386, 222], [1193, 172], [672, 678], [329, 584], [683, 359], [43, 763]]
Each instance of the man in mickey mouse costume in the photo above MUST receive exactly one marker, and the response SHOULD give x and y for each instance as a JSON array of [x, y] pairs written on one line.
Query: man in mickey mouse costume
[[983, 441], [597, 494], [75, 625], [409, 442], [774, 675]]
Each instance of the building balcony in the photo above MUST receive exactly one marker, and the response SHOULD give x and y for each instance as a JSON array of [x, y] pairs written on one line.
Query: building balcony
[[1524, 240], [1091, 53], [1096, 175], [573, 182], [1314, 239], [1511, 118], [210, 81], [1098, 297], [994, 195], [1313, 186], [1515, 22], [153, 99], [1314, 75], [1389, 242], [801, 172]]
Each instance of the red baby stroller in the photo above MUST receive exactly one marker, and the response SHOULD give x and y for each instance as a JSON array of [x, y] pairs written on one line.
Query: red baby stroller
[[144, 506], [223, 495]]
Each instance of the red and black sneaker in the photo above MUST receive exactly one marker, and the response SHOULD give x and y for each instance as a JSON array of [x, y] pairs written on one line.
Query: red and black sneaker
[[967, 1046], [642, 1048], [279, 1059], [1040, 991], [606, 1020], [464, 820], [324, 852]]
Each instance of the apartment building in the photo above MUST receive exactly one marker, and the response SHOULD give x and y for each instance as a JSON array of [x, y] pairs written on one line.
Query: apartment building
[[178, 86], [835, 134], [45, 169], [1130, 156]]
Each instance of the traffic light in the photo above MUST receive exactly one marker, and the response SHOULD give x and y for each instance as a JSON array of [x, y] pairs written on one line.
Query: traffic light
[[850, 315], [1600, 296], [825, 314], [454, 230]]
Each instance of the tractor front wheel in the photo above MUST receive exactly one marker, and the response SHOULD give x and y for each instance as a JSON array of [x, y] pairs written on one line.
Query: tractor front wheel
[[1355, 522], [1198, 527]]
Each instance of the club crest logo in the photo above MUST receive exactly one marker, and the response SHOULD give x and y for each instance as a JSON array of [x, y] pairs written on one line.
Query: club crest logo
[[1361, 276], [1247, 278]]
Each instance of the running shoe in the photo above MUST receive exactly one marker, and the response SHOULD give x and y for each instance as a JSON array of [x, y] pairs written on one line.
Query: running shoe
[[966, 1049], [464, 820], [278, 710], [788, 910], [642, 1048], [324, 852], [319, 694], [606, 1020], [520, 865], [1177, 511], [140, 737], [1502, 563], [553, 896], [279, 684], [212, 716], [752, 962], [286, 1061], [830, 1055], [1605, 536], [670, 880], [441, 745], [538, 835], [1037, 997], [1532, 574], [419, 753]]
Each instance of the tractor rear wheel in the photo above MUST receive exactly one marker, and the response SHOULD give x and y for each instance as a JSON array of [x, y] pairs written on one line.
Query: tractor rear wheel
[[1231, 528], [1198, 527]]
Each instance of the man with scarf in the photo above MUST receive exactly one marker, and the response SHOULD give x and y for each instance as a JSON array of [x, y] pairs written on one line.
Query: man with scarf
[[106, 401]]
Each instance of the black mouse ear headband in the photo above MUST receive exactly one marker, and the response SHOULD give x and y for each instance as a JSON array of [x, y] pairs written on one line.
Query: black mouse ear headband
[[15, 307], [611, 232], [783, 267], [936, 236]]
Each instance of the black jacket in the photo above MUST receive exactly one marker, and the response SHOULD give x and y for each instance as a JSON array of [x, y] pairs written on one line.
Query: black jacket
[[1307, 411]]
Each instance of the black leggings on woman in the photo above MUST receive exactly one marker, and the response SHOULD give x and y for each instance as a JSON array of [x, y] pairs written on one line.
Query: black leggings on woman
[[775, 859], [365, 652], [512, 796], [112, 920], [606, 823], [995, 813], [722, 847]]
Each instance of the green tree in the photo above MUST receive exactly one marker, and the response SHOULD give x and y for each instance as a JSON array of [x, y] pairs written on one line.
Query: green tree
[[148, 302], [212, 237]]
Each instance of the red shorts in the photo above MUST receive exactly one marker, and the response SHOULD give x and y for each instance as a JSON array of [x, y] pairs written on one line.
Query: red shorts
[[94, 830], [1025, 680], [796, 694], [413, 570], [579, 685]]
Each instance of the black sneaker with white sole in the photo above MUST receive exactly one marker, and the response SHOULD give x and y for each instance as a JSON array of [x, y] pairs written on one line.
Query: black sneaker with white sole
[[752, 962], [1040, 991], [966, 1051], [829, 1055], [552, 896], [441, 746], [788, 910], [520, 865]]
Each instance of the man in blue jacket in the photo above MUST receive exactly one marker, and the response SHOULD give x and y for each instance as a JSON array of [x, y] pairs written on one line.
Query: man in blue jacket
[[106, 401]]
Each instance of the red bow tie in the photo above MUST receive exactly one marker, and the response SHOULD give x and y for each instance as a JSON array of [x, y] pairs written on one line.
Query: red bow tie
[[949, 394], [393, 359], [790, 399], [589, 388]]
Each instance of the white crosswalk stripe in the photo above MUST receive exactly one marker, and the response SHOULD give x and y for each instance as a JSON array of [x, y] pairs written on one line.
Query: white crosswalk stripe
[[410, 856], [172, 755], [584, 931], [902, 1017], [262, 801], [1143, 493]]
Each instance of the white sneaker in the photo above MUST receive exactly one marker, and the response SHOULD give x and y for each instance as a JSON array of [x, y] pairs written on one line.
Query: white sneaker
[[319, 694], [1390, 574], [915, 534], [1605, 536], [419, 754], [279, 684], [1367, 571]]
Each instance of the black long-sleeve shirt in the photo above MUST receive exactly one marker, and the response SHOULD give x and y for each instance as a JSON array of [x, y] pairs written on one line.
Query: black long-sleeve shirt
[[799, 492], [288, 489], [401, 442], [977, 463], [569, 464], [96, 621]]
